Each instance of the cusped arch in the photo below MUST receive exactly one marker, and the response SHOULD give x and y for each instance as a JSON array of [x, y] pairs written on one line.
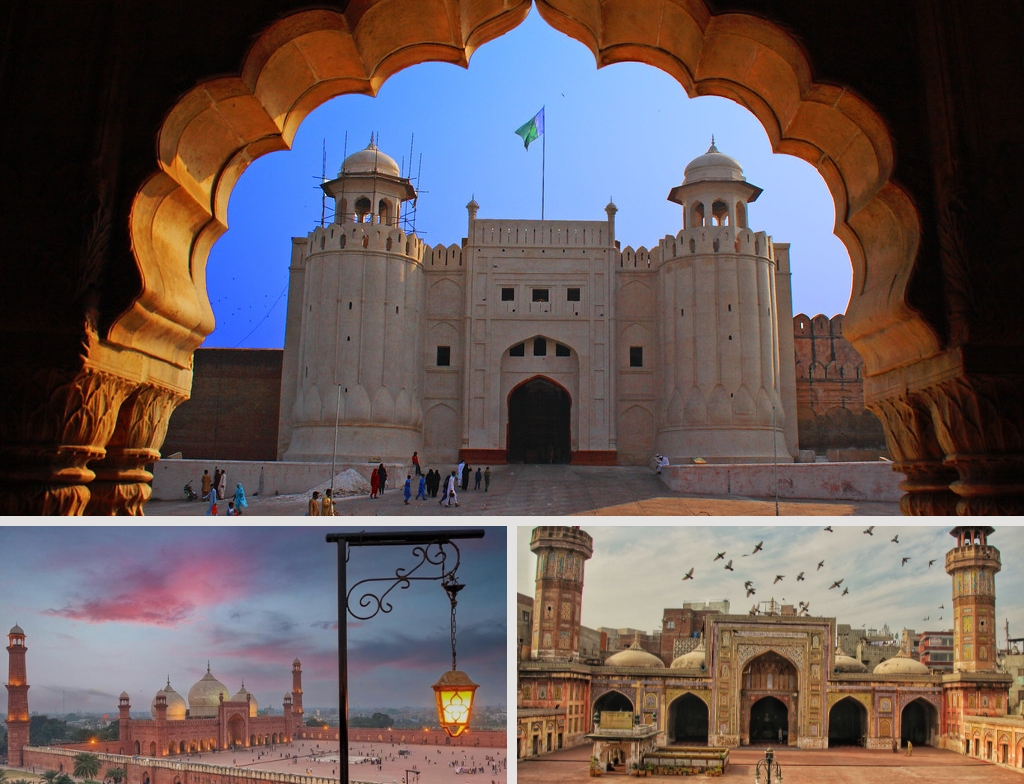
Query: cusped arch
[[219, 127]]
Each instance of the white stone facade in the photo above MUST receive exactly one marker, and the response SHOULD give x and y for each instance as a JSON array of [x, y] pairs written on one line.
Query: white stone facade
[[538, 341]]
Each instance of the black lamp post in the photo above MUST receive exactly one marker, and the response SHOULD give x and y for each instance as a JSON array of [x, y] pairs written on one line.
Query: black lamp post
[[433, 547], [769, 767]]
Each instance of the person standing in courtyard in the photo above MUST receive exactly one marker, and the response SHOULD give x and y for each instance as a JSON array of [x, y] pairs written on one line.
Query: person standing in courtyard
[[421, 492], [212, 508], [453, 490], [458, 475], [910, 748], [478, 478], [314, 505], [206, 484], [374, 483], [382, 472], [407, 489], [416, 464], [222, 485], [240, 502], [466, 472], [487, 479], [327, 505]]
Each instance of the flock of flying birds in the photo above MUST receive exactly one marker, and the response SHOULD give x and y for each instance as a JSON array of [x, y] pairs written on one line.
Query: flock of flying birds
[[803, 608]]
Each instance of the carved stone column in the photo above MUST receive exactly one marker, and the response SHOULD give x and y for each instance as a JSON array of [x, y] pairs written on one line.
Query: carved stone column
[[122, 483], [912, 442], [55, 423]]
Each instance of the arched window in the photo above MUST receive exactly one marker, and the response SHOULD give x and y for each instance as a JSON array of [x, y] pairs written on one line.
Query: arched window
[[384, 212], [362, 209], [741, 215], [697, 215], [720, 213]]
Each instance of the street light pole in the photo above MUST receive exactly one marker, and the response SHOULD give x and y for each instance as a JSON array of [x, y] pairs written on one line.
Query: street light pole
[[429, 545]]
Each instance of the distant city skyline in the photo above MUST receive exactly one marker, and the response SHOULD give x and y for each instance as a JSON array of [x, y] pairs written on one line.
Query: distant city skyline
[[112, 609], [624, 132], [637, 572]]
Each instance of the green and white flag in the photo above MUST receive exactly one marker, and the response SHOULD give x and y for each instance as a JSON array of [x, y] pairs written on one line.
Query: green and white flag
[[532, 129]]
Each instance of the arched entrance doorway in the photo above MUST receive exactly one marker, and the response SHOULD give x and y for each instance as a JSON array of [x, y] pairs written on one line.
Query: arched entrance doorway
[[919, 723], [847, 723], [538, 423], [613, 701], [688, 721], [236, 731], [769, 721], [769, 688]]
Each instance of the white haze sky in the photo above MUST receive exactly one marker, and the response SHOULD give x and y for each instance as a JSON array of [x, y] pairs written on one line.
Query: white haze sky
[[637, 571]]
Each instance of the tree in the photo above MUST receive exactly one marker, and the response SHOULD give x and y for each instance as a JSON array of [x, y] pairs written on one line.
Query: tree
[[63, 778], [376, 721], [115, 775], [87, 765], [50, 776], [3, 775]]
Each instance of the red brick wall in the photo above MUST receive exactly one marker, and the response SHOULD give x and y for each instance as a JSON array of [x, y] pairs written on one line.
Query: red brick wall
[[233, 413], [830, 389]]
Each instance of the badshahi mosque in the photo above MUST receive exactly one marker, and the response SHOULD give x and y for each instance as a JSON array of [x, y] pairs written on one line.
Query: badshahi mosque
[[538, 341], [752, 679]]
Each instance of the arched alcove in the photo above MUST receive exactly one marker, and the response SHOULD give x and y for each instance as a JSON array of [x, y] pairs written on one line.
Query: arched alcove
[[688, 718], [539, 424], [847, 723]]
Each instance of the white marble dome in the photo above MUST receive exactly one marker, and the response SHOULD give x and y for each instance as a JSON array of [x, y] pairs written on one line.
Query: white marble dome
[[692, 660], [176, 707], [844, 663], [712, 165], [901, 665], [370, 161], [244, 695], [204, 696]]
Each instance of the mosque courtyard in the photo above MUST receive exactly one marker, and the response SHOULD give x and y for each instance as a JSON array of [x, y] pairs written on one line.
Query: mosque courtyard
[[799, 766]]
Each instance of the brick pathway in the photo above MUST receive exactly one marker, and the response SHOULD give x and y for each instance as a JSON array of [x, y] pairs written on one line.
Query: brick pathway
[[839, 766], [552, 490]]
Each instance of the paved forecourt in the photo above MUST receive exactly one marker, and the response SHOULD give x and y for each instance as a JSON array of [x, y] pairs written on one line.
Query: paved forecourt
[[550, 490], [799, 766]]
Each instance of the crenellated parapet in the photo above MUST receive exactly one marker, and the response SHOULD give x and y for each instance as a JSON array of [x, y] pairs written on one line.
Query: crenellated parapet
[[705, 240], [527, 234], [635, 260], [442, 258], [366, 236]]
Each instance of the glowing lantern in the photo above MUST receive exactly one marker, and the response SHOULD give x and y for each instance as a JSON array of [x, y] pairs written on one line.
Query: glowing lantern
[[454, 694]]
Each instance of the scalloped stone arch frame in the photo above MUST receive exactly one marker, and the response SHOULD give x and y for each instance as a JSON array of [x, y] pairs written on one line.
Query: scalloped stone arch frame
[[220, 126]]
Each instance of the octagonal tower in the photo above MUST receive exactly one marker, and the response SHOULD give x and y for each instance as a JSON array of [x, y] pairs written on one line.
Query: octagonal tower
[[561, 552], [17, 697], [973, 565]]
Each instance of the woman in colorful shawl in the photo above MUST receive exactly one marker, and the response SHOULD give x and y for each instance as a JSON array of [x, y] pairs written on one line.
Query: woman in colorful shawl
[[240, 503], [374, 483]]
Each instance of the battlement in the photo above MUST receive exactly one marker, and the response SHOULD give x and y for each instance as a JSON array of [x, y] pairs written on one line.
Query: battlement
[[717, 239], [639, 259], [527, 233], [441, 256], [365, 236]]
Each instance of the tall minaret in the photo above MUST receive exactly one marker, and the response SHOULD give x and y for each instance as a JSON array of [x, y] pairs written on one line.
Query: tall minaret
[[351, 380], [722, 294], [973, 565], [17, 697], [297, 695], [975, 687], [561, 552]]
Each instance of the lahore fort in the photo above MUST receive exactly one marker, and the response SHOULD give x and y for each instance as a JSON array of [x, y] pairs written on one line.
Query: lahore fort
[[715, 680]]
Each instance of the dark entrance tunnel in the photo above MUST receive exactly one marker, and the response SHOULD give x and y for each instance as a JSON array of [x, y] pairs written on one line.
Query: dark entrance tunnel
[[538, 423]]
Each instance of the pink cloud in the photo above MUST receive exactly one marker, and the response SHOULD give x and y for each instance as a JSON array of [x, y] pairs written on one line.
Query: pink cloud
[[166, 591]]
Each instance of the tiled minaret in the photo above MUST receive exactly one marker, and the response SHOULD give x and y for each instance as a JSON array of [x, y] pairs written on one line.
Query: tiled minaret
[[561, 552]]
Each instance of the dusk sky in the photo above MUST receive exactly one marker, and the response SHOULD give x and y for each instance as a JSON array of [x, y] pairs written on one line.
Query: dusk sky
[[624, 132], [636, 572], [115, 609]]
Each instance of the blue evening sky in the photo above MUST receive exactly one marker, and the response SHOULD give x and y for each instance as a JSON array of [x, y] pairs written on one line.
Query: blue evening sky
[[624, 132]]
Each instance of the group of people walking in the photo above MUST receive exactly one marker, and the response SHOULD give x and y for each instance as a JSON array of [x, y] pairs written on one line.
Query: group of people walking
[[215, 489]]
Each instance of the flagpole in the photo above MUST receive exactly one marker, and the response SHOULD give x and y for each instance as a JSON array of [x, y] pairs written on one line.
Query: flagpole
[[543, 160]]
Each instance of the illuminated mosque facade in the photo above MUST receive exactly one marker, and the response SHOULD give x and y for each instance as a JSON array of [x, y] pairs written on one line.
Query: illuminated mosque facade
[[754, 679]]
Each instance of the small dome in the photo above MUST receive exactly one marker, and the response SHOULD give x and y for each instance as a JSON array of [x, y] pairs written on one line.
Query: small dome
[[634, 656], [204, 696], [245, 695], [176, 707], [370, 161], [901, 665], [296, 663], [712, 165], [844, 663], [694, 660], [124, 696], [16, 630]]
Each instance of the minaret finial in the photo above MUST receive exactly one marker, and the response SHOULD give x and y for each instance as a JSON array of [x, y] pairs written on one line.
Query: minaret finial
[[207, 666], [712, 148]]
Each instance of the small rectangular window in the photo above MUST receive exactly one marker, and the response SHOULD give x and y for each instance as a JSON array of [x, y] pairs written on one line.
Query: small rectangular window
[[572, 295], [540, 295], [508, 295], [540, 347], [518, 350], [444, 356], [562, 351], [636, 356]]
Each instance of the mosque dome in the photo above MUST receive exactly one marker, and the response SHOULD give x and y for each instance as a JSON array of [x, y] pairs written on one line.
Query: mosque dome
[[16, 630], [124, 696], [693, 660], [713, 165], [370, 161], [901, 665], [176, 707], [634, 656], [243, 695], [204, 697], [844, 663]]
